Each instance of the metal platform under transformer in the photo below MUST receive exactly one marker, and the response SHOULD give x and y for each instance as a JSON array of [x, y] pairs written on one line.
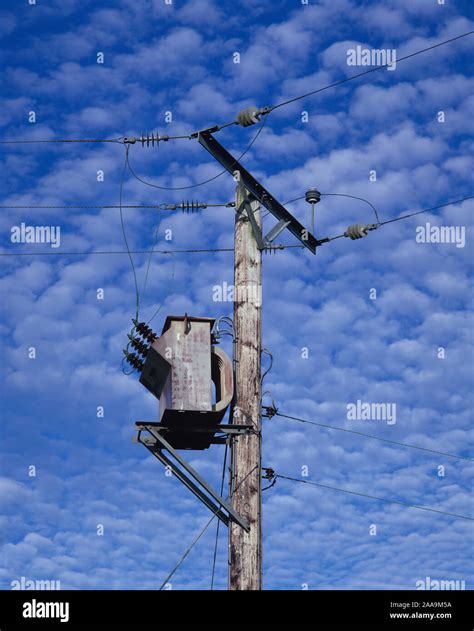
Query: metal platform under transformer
[[156, 440]]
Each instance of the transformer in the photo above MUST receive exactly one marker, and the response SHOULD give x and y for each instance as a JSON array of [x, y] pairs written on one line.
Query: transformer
[[191, 378]]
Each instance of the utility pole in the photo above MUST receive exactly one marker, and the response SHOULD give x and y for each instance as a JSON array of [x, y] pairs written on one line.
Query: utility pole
[[245, 548]]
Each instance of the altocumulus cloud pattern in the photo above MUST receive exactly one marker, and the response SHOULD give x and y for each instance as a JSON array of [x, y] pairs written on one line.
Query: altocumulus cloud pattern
[[373, 335]]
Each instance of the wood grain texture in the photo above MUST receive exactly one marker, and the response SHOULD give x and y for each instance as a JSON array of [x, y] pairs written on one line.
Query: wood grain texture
[[245, 557]]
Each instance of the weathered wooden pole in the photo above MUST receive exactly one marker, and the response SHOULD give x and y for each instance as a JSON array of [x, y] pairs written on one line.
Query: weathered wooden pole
[[245, 548]]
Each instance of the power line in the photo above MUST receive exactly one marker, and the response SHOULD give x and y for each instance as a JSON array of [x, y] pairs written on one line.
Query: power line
[[160, 306], [413, 214], [426, 210], [137, 296], [362, 199], [219, 522], [155, 241], [104, 252], [366, 72], [24, 142], [188, 550], [157, 206], [86, 206], [373, 497], [200, 534], [122, 139], [385, 440], [204, 250], [211, 179]]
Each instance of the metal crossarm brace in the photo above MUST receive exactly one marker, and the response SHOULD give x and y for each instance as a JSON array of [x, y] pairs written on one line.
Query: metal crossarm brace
[[188, 475], [251, 217], [247, 180]]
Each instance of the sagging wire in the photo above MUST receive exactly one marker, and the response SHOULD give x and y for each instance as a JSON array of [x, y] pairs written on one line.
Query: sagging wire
[[217, 332], [211, 179], [157, 311], [137, 296], [267, 352], [362, 199], [122, 179], [355, 197]]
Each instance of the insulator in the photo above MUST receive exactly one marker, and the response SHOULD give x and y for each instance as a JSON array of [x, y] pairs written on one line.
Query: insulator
[[270, 411], [357, 231], [251, 115], [145, 331], [138, 345], [269, 473], [133, 360], [191, 206], [312, 196], [151, 139]]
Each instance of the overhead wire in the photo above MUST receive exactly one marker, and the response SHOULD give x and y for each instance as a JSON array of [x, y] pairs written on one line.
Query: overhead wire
[[211, 179], [413, 214], [137, 297], [269, 109], [33, 141], [154, 241], [267, 352], [188, 550], [219, 521], [111, 252], [385, 440], [160, 306], [370, 70], [200, 534], [373, 497], [206, 250], [426, 210], [362, 199], [170, 207]]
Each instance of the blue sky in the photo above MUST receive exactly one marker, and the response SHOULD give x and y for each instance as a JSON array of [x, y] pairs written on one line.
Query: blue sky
[[179, 58]]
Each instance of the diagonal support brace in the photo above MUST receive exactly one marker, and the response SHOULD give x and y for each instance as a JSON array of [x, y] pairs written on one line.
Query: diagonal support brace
[[190, 477]]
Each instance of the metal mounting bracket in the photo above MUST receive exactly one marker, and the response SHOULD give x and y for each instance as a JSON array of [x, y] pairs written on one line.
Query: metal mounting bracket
[[156, 444], [247, 180], [245, 204]]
